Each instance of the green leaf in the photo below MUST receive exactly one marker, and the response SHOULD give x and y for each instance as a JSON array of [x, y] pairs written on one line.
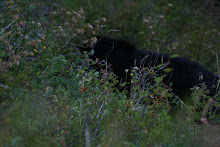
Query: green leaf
[[168, 70], [158, 79], [174, 55]]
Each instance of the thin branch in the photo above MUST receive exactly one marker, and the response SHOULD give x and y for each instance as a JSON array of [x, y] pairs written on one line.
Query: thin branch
[[8, 26]]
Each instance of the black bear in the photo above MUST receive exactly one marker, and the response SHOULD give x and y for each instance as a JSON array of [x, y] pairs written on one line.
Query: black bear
[[123, 55]]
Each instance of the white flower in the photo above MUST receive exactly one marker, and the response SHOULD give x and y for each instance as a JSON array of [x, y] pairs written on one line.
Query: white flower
[[135, 68], [103, 19], [54, 12], [97, 21], [146, 20], [152, 32], [39, 24], [85, 41], [161, 16], [68, 13], [90, 26], [94, 39], [170, 5]]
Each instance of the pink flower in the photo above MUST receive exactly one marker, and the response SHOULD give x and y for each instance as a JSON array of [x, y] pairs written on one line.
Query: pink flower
[[203, 120]]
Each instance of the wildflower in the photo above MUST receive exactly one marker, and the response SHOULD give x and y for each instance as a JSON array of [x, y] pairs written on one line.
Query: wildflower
[[85, 41], [78, 15], [68, 13], [43, 37], [197, 88], [38, 41], [44, 47], [60, 27], [152, 32], [152, 95], [201, 77], [126, 70], [174, 48], [131, 74], [89, 26], [94, 39], [16, 17], [170, 5], [135, 68], [38, 73], [78, 31], [74, 20], [81, 11], [32, 53], [39, 24], [150, 27], [161, 16], [146, 20], [203, 120], [54, 12], [103, 19], [97, 21], [93, 32]]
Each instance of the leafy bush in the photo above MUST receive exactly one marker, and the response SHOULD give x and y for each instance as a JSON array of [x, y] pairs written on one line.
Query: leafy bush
[[50, 95]]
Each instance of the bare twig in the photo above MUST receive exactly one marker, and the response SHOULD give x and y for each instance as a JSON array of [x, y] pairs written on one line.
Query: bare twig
[[8, 26]]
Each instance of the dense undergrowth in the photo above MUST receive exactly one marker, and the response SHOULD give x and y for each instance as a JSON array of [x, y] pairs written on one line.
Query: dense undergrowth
[[50, 96]]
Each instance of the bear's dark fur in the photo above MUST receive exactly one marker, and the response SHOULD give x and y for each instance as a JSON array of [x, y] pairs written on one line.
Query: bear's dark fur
[[123, 55]]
